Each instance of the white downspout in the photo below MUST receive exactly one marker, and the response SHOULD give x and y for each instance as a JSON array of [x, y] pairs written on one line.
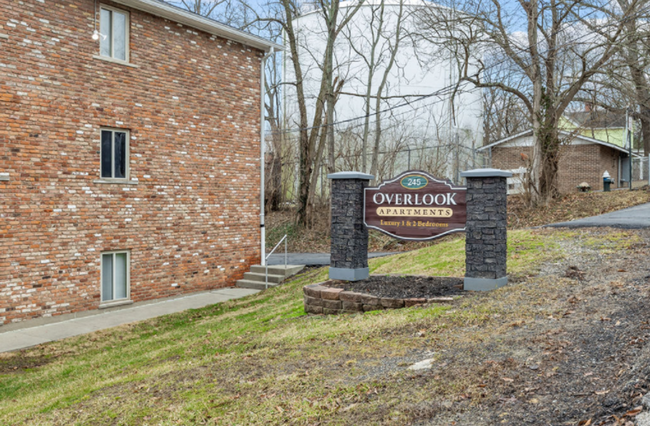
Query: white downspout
[[262, 162]]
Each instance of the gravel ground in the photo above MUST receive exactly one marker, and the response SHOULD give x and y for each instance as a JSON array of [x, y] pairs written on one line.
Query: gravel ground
[[569, 345], [587, 363]]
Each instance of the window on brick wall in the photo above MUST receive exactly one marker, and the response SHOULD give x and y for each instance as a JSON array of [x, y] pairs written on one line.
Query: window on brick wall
[[115, 276], [114, 30], [114, 154]]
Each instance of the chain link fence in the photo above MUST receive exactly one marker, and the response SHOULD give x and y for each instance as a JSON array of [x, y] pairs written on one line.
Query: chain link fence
[[445, 161]]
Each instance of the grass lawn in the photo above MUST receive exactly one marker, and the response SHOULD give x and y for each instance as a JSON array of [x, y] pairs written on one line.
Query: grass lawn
[[262, 361]]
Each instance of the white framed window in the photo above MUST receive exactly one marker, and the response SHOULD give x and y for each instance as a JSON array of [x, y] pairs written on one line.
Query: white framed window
[[115, 276], [114, 33], [114, 154]]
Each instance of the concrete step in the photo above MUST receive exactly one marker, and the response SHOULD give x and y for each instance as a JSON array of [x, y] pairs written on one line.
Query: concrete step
[[278, 269], [254, 276], [253, 284]]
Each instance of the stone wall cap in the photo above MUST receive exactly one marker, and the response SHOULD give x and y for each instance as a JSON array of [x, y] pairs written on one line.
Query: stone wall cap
[[350, 175], [477, 173]]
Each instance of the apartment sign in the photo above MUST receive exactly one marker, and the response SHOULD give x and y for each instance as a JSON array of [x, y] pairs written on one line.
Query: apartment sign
[[416, 206]]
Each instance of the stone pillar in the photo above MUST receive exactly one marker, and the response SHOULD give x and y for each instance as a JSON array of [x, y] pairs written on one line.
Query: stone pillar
[[349, 252], [486, 242]]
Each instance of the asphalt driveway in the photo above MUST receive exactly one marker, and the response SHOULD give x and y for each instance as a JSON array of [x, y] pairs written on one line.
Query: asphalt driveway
[[637, 217]]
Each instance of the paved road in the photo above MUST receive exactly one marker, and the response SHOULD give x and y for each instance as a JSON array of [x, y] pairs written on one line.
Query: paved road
[[312, 259], [636, 217]]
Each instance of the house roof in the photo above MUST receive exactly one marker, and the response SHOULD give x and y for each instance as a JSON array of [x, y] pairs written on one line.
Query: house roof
[[194, 20], [597, 119], [573, 136]]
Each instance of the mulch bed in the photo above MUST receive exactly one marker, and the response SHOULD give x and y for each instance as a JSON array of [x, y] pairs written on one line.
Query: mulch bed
[[403, 287]]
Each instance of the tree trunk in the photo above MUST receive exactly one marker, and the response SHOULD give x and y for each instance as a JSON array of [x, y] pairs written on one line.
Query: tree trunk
[[645, 129]]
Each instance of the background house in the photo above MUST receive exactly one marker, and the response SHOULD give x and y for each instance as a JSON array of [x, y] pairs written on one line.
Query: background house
[[582, 159], [130, 147], [596, 124]]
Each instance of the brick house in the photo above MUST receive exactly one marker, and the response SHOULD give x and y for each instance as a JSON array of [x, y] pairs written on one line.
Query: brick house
[[129, 154], [583, 159]]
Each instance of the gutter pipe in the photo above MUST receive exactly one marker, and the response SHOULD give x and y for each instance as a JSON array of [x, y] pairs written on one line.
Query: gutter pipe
[[262, 162]]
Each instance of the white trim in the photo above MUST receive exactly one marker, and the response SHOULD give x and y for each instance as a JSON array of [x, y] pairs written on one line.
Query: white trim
[[563, 133], [115, 181], [504, 140], [112, 302], [127, 33], [115, 61], [194, 20], [127, 160]]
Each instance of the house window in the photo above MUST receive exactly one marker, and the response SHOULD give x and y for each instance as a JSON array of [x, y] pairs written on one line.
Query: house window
[[115, 276], [114, 154], [114, 33]]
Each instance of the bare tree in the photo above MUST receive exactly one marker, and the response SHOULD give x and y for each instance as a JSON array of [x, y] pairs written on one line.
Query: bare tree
[[554, 62], [202, 7], [623, 85], [504, 115], [278, 19], [287, 13], [375, 40]]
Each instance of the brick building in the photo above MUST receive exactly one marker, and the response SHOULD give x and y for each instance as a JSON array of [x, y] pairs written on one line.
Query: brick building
[[584, 159], [129, 154]]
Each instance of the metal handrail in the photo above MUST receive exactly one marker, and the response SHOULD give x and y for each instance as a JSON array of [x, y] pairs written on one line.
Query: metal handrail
[[266, 263]]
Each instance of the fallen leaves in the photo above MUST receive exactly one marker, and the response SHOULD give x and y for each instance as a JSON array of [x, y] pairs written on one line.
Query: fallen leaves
[[634, 411]]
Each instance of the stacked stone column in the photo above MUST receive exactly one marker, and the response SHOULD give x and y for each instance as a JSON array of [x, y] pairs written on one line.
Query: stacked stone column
[[486, 229], [349, 250]]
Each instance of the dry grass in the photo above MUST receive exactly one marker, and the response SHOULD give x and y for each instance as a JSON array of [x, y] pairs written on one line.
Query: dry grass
[[261, 361]]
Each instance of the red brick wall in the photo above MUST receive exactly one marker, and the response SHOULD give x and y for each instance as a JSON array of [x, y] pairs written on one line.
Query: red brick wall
[[578, 163], [192, 108]]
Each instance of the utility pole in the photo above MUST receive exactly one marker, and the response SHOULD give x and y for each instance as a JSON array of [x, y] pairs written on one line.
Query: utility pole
[[628, 140], [457, 139]]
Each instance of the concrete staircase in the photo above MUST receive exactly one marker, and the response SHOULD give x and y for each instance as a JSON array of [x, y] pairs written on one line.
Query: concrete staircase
[[255, 279]]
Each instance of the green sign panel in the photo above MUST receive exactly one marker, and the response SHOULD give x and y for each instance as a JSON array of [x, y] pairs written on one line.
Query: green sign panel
[[414, 182]]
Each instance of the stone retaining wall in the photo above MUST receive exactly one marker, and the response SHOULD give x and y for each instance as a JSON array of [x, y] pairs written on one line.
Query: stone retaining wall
[[322, 299]]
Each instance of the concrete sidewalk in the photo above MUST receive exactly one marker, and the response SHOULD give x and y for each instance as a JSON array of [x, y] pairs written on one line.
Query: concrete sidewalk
[[27, 336]]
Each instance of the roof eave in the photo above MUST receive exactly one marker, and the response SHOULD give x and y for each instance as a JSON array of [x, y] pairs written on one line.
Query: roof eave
[[199, 22], [504, 140], [564, 132]]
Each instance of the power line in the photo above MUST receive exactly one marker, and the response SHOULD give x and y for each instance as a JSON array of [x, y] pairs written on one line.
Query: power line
[[456, 86]]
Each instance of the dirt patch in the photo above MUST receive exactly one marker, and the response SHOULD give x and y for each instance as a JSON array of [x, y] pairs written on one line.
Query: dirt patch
[[9, 363], [566, 347], [403, 287]]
